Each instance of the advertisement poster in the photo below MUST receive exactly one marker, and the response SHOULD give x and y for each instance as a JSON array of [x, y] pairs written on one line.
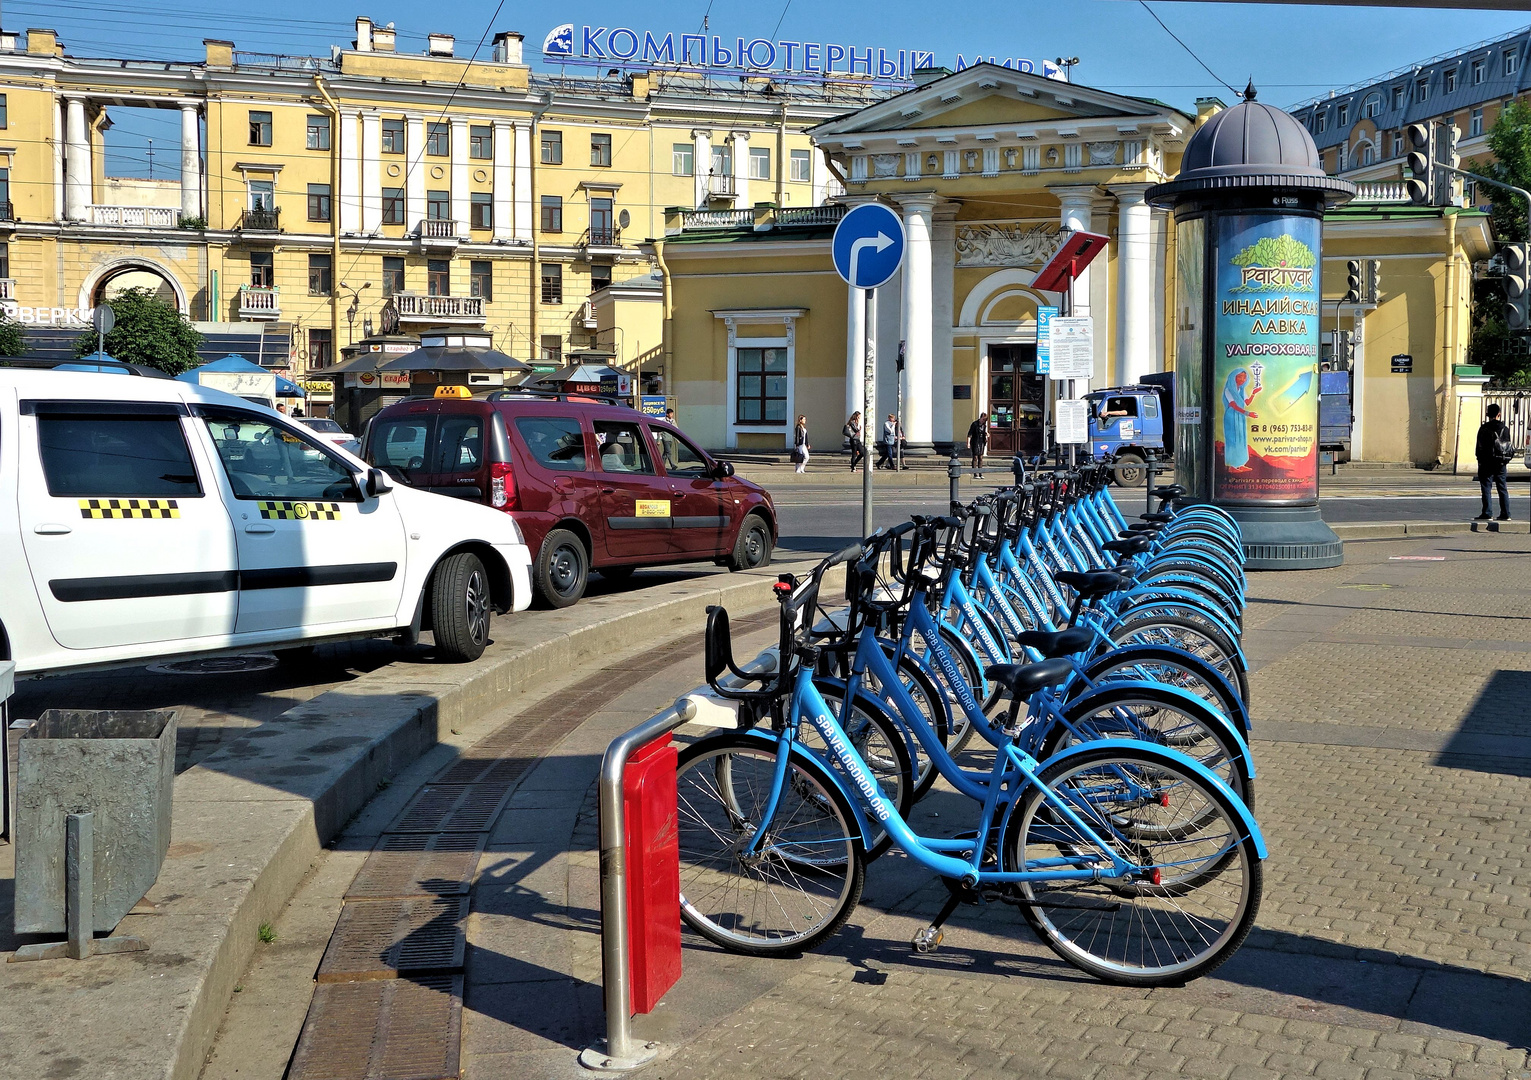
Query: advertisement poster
[[1190, 466], [1265, 360]]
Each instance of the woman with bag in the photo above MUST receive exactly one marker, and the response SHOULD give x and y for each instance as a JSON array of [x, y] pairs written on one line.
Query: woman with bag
[[853, 443], [800, 444]]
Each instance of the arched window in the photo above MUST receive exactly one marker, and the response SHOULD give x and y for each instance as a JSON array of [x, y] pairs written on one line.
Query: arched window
[[1372, 105], [135, 277]]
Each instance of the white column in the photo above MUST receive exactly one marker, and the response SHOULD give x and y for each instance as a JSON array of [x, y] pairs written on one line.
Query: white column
[[1075, 205], [701, 163], [414, 171], [1158, 267], [371, 172], [1134, 304], [350, 194], [58, 159], [191, 162], [459, 176], [943, 261], [855, 333], [503, 176], [741, 141], [523, 186], [76, 162], [917, 302]]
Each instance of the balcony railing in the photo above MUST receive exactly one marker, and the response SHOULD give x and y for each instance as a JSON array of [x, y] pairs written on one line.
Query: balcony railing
[[601, 236], [7, 288], [140, 217], [438, 229], [811, 215], [720, 185], [261, 219], [758, 218], [717, 219], [1382, 191], [418, 308], [259, 302], [7, 211]]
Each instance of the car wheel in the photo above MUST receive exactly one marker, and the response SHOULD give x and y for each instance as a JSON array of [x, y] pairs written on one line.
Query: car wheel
[[617, 573], [1131, 471], [563, 567], [753, 548], [460, 607]]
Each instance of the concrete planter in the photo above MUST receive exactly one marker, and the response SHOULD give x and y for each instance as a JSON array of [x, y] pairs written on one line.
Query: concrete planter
[[118, 766]]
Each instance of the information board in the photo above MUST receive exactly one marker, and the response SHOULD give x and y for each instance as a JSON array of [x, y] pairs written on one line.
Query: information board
[[1071, 348], [1072, 424]]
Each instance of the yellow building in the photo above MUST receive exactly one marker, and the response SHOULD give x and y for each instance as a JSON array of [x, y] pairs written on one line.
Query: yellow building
[[313, 190]]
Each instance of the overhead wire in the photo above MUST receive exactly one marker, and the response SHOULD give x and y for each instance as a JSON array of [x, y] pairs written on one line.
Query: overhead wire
[[1187, 48]]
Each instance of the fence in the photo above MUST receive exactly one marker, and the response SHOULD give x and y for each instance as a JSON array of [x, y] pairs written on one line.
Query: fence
[[1515, 411]]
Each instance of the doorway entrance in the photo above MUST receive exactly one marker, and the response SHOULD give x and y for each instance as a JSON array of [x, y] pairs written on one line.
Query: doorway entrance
[[1017, 397]]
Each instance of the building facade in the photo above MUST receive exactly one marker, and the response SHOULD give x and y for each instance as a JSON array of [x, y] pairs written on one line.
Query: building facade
[[311, 193]]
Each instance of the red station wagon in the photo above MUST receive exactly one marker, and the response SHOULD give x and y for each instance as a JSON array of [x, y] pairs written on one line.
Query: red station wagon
[[592, 485]]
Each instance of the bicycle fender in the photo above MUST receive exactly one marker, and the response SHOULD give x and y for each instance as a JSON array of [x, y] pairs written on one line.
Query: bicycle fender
[[1207, 671], [1149, 593], [1191, 700], [805, 754], [1185, 761]]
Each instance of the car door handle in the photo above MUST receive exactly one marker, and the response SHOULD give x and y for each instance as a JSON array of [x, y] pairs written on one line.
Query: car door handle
[[260, 528], [49, 528], [608, 491]]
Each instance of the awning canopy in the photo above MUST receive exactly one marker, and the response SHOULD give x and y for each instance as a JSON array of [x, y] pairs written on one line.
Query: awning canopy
[[454, 358]]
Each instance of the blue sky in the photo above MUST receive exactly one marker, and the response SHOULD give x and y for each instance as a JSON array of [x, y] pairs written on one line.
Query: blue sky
[[1292, 52]]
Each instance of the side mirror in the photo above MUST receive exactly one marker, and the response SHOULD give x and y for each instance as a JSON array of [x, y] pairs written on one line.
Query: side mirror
[[377, 483], [723, 470]]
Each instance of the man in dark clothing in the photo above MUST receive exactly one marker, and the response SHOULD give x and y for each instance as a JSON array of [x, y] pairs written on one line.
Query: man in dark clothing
[[1494, 451]]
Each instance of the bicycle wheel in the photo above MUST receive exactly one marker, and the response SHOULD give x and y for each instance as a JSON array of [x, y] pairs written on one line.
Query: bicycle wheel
[[1172, 667], [1147, 627], [880, 742], [1186, 908], [932, 707], [806, 877]]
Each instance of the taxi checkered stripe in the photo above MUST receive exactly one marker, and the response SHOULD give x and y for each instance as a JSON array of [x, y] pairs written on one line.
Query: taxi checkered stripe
[[300, 511], [129, 508]]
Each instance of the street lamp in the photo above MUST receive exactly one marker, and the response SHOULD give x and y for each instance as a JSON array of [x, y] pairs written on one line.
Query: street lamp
[[353, 309], [1067, 64]]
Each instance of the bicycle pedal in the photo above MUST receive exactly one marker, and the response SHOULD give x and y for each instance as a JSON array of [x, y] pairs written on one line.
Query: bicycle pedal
[[928, 939]]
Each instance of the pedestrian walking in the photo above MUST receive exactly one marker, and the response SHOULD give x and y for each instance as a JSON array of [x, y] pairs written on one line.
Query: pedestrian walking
[[853, 443], [887, 446], [1494, 450], [978, 443], [800, 444]]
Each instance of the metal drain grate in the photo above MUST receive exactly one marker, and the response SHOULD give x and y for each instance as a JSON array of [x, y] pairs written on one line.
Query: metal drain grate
[[392, 1029], [216, 665], [468, 770], [452, 808], [379, 939], [419, 864]]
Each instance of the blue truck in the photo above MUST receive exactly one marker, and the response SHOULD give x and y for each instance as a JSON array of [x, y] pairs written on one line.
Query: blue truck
[[1127, 425]]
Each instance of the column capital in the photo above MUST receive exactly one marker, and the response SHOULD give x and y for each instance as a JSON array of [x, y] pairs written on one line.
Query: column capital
[[701, 133], [736, 135], [1129, 194], [916, 201], [1076, 196]]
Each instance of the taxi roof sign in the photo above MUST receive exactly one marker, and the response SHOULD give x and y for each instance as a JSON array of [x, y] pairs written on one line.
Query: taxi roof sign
[[453, 392]]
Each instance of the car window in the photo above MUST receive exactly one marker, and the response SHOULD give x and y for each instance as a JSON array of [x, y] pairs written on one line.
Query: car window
[[323, 425], [622, 448], [399, 443], [1150, 407], [265, 460], [555, 442], [459, 444], [680, 457], [105, 456]]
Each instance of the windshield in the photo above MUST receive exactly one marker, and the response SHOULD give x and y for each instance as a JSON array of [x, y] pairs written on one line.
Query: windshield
[[323, 425]]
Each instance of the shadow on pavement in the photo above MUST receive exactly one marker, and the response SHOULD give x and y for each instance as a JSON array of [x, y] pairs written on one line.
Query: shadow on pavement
[[1498, 711]]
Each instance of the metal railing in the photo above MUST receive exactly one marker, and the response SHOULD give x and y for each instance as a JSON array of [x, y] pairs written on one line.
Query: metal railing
[[601, 236], [260, 300], [716, 219], [7, 210], [418, 306], [143, 217], [438, 229], [1515, 411], [260, 219], [721, 185], [829, 214], [1382, 191], [282, 62]]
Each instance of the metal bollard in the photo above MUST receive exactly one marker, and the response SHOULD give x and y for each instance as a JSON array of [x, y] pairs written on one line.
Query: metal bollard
[[953, 475], [1148, 483]]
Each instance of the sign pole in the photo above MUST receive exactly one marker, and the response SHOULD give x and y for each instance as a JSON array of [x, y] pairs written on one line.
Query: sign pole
[[868, 404]]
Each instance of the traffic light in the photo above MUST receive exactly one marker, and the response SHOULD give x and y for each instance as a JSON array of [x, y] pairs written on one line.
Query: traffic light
[[1371, 281], [1352, 282], [1449, 185], [1517, 309], [1420, 164]]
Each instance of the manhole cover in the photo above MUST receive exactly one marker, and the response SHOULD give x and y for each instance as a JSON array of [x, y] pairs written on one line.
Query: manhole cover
[[217, 665]]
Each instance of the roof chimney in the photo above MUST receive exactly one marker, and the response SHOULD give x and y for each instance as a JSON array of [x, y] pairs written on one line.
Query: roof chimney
[[383, 38], [439, 45], [507, 47], [363, 42]]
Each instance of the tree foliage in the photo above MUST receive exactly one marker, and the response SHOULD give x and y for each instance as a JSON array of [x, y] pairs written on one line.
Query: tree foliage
[[1501, 353], [12, 339], [149, 331]]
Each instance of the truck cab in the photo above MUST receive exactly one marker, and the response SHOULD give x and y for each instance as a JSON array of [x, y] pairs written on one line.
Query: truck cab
[[1126, 427]]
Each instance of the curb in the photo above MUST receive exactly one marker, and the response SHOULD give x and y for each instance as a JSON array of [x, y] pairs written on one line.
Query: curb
[[1399, 529], [250, 819]]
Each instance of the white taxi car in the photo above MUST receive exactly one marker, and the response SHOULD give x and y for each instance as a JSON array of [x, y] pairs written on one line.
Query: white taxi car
[[144, 518]]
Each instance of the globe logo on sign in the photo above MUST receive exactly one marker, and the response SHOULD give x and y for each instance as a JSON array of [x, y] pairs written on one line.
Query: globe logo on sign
[[560, 41], [868, 246]]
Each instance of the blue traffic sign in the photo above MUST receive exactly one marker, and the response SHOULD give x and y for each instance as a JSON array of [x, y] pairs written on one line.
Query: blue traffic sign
[[868, 245]]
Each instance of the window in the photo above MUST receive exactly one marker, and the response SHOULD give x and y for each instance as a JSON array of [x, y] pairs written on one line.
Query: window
[[1371, 106], [107, 455], [1476, 122], [552, 148], [393, 136], [600, 150], [1449, 81], [1340, 155], [600, 277], [318, 133], [393, 206], [321, 348], [760, 163], [393, 274], [5, 115], [5, 259], [438, 138], [622, 448], [320, 275], [399, 443], [481, 210], [1422, 90], [1368, 154], [1344, 116], [262, 269], [555, 442], [552, 283], [7, 212], [601, 227], [802, 165], [438, 277], [260, 129], [1397, 98], [552, 213], [318, 202], [481, 279], [438, 205], [262, 194], [680, 159], [760, 386], [481, 142], [551, 348], [1323, 120], [266, 461], [1398, 144], [680, 457], [459, 444], [722, 161], [1477, 71], [1511, 63]]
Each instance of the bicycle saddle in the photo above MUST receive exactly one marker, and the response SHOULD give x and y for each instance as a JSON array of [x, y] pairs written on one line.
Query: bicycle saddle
[[1023, 680], [1160, 518], [1132, 545], [1167, 491], [1141, 527], [1055, 643], [1091, 585]]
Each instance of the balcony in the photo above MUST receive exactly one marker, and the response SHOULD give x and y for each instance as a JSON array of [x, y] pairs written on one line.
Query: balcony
[[258, 303], [136, 217], [760, 218], [602, 236], [7, 288], [413, 307], [721, 186], [261, 219], [7, 211], [439, 232]]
